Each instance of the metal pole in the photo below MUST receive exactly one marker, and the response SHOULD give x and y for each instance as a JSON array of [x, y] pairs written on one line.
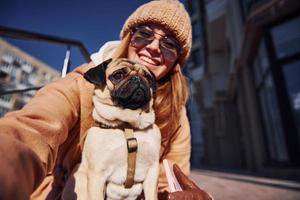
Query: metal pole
[[66, 63]]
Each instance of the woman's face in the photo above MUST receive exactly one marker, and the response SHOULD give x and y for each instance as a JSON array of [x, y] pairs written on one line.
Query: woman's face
[[154, 47]]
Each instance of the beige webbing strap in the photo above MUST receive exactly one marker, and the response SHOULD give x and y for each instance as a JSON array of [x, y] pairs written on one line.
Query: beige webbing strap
[[132, 150]]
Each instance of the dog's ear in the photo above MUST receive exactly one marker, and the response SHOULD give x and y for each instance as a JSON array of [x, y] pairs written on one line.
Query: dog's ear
[[96, 75]]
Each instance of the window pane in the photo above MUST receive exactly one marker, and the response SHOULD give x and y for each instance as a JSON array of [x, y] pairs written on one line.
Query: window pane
[[248, 5], [272, 121], [257, 72], [197, 30], [197, 57], [291, 73], [286, 38], [263, 57], [192, 7], [261, 64]]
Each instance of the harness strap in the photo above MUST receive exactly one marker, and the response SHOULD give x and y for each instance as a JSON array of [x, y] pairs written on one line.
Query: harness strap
[[132, 150]]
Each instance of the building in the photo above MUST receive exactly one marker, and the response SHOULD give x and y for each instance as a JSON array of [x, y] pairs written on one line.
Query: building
[[250, 88], [194, 71], [18, 71]]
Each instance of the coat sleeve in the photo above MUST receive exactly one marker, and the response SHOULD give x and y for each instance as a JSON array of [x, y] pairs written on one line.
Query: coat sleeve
[[180, 151], [30, 137]]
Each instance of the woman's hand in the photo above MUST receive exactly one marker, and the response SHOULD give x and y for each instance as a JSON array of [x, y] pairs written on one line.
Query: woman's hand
[[190, 190]]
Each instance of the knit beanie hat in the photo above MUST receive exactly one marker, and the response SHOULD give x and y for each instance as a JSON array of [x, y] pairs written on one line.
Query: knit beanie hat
[[169, 13]]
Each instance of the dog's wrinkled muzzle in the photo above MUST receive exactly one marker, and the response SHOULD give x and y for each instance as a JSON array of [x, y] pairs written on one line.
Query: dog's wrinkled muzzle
[[133, 94]]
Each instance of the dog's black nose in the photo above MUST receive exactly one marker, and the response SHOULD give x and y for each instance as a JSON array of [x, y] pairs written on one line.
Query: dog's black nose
[[135, 79]]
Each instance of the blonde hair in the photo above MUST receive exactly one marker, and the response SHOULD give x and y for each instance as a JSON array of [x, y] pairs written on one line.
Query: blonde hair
[[170, 97]]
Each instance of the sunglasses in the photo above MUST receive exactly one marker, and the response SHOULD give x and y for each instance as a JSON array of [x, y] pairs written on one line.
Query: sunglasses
[[144, 35]]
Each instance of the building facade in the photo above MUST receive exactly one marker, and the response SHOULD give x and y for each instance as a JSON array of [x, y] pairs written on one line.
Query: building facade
[[194, 72], [18, 71], [250, 89]]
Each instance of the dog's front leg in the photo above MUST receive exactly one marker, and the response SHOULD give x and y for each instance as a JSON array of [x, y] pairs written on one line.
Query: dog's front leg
[[95, 184], [150, 182]]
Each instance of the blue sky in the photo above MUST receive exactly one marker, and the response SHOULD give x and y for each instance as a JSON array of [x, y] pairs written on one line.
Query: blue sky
[[93, 22]]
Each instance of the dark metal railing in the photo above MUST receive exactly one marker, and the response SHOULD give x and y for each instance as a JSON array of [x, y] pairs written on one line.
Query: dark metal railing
[[26, 35]]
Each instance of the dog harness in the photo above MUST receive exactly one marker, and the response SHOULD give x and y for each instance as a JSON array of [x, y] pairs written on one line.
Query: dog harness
[[132, 151], [131, 158]]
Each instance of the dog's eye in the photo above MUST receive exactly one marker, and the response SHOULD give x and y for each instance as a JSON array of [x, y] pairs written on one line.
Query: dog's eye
[[118, 75]]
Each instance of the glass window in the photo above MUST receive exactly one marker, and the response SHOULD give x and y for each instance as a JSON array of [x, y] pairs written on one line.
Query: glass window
[[291, 73], [192, 7], [195, 4], [257, 73], [261, 64], [3, 111], [197, 30], [273, 124], [263, 57], [248, 5], [6, 98], [286, 37], [197, 57]]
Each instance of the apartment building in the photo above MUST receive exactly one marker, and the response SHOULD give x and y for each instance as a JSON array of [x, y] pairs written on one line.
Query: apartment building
[[18, 71]]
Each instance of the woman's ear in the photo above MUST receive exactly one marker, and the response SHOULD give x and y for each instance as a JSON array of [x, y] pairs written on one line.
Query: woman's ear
[[96, 75]]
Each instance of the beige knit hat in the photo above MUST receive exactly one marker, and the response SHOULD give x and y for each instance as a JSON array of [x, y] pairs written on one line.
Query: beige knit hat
[[169, 13]]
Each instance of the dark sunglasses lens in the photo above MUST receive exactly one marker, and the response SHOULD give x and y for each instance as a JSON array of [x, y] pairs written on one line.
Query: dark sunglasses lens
[[170, 45], [168, 54], [144, 33], [141, 38]]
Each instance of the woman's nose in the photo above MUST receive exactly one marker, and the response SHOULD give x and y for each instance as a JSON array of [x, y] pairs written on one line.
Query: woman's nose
[[153, 47]]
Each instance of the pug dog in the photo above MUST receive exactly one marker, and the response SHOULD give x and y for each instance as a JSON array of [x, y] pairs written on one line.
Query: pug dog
[[123, 98]]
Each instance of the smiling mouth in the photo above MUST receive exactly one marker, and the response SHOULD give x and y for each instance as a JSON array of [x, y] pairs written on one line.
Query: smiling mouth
[[149, 60]]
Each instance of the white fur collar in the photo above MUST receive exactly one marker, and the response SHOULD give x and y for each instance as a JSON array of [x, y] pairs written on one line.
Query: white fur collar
[[105, 52]]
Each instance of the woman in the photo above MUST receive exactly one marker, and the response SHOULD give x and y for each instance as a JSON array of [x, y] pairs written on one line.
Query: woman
[[45, 138]]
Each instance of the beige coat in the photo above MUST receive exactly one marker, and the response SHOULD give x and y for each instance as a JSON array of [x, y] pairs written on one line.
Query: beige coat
[[42, 143]]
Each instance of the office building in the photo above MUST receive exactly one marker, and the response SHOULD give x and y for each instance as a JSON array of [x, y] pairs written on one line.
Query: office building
[[250, 88]]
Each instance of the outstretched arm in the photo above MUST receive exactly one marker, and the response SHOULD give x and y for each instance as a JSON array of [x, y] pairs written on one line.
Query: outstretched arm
[[21, 171], [30, 137]]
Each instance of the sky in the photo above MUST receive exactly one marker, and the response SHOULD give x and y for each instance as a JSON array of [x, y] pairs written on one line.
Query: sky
[[93, 22]]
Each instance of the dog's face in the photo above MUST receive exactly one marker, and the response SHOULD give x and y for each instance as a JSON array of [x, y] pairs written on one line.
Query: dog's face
[[130, 85]]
